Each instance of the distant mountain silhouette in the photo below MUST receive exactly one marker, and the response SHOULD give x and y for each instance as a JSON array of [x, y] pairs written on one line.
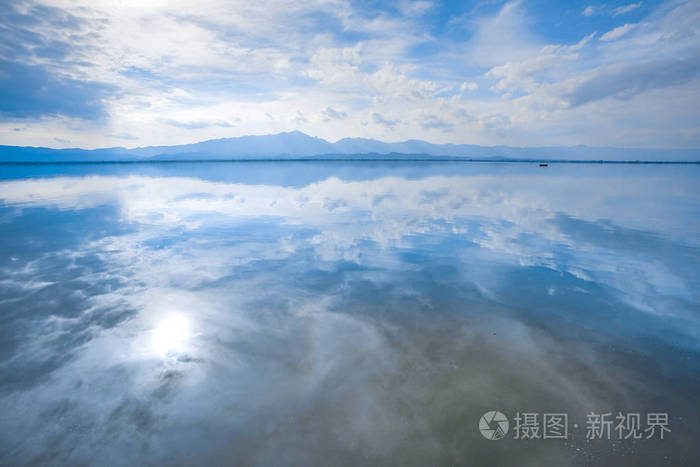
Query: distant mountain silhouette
[[297, 145]]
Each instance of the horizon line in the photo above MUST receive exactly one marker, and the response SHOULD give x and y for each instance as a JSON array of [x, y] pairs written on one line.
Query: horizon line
[[432, 159], [356, 137]]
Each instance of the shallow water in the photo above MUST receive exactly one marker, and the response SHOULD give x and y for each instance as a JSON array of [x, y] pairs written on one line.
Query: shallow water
[[345, 313]]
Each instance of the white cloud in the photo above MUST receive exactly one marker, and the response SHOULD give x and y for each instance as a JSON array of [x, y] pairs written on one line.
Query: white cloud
[[589, 11], [218, 71], [626, 8], [126, 136], [617, 33], [527, 74], [414, 8], [195, 124], [503, 37]]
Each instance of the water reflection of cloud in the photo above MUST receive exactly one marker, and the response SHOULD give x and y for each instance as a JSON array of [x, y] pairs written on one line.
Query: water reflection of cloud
[[323, 322], [532, 220]]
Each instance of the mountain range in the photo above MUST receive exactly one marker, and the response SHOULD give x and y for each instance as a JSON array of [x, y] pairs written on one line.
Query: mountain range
[[297, 145]]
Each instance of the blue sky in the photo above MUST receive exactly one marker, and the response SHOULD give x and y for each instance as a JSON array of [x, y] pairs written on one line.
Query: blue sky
[[140, 72]]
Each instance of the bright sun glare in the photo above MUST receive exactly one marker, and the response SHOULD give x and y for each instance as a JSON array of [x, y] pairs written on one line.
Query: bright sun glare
[[171, 334]]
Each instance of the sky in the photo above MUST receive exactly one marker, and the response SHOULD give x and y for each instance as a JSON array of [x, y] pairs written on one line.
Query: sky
[[104, 73]]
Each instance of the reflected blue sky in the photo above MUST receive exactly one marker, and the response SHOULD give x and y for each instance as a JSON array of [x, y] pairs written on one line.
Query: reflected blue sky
[[288, 313]]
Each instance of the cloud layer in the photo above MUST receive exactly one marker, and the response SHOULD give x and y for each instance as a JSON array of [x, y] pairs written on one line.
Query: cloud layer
[[491, 73]]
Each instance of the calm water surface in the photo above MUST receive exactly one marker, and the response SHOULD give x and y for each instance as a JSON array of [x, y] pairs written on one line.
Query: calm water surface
[[345, 314]]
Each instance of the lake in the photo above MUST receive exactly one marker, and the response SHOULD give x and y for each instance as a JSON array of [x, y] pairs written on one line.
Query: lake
[[338, 313]]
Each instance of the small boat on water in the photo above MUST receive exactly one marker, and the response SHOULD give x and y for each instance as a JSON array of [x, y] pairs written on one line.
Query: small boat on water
[[544, 165]]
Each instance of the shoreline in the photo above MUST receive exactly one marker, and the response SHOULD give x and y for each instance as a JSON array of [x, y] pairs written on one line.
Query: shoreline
[[500, 161]]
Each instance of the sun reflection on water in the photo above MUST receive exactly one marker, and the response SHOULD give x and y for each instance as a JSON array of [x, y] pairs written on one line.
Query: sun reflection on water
[[171, 334]]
